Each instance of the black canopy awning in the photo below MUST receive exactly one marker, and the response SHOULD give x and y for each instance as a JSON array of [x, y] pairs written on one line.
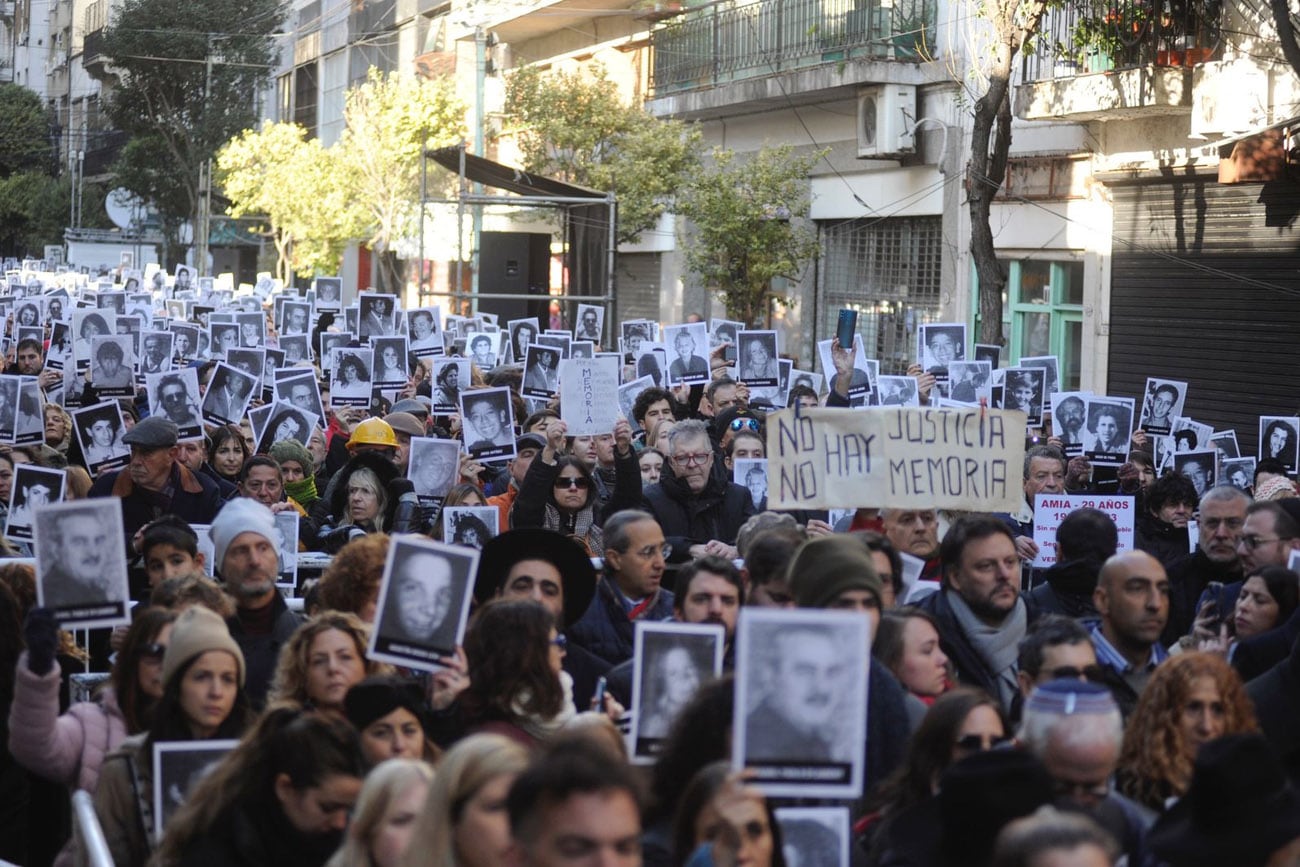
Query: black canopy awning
[[502, 177]]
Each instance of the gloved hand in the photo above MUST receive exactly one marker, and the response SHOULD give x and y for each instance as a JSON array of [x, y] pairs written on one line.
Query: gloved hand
[[42, 635]]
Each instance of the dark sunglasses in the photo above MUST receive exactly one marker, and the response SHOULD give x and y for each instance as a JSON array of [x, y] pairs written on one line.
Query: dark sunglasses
[[976, 743], [153, 651], [744, 424], [580, 483], [1091, 673]]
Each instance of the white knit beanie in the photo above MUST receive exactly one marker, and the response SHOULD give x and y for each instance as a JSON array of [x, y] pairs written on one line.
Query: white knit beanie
[[240, 515]]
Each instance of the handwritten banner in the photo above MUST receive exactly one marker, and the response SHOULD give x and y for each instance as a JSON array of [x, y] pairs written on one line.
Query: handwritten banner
[[896, 457], [1051, 509], [587, 390]]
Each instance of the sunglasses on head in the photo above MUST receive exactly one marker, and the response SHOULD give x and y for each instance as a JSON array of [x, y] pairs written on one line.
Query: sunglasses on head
[[738, 424], [578, 482]]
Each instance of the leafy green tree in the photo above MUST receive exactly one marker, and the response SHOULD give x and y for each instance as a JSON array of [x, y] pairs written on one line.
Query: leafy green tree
[[25, 145], [278, 173], [576, 128], [747, 226], [34, 211], [187, 75], [390, 120]]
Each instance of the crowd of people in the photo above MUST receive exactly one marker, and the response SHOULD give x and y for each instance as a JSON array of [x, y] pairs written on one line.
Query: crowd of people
[[1131, 704]]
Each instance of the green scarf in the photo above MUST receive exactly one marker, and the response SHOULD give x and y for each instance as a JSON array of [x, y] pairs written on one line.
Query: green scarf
[[304, 492]]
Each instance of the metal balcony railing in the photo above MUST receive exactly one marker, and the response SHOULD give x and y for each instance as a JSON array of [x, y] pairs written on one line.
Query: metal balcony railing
[[1096, 36], [730, 41]]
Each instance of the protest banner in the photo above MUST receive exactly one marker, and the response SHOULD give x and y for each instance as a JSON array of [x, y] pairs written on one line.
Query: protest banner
[[1051, 509], [897, 457], [586, 388]]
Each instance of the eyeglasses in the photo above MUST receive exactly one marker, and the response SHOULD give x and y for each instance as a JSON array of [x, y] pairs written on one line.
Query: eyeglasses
[[1081, 791], [577, 482], [1253, 542], [981, 743], [649, 551], [744, 423], [153, 651], [692, 460], [1091, 673], [560, 641]]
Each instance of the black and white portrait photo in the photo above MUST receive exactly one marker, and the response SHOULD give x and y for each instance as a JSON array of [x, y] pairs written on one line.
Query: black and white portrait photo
[[482, 349], [376, 315], [970, 382], [302, 391], [251, 361], [1224, 442], [1277, 440], [688, 351], [1023, 391], [8, 407], [111, 367], [541, 371], [178, 767], [60, 351], [252, 330], [801, 701], [99, 430], [432, 467], [114, 302], [751, 474], [329, 341], [423, 332], [296, 318], [672, 662], [175, 396], [757, 362], [294, 347], [229, 392], [470, 526], [1200, 467], [350, 377], [424, 597], [450, 375], [488, 424], [559, 341], [1069, 415], [590, 323], [1162, 403], [862, 385], [224, 336], [80, 562], [522, 333], [329, 293], [1238, 472], [287, 422], [287, 524], [155, 352], [184, 280], [633, 334], [86, 326], [390, 361], [722, 332], [652, 362], [33, 489], [582, 349], [1110, 423], [814, 836], [185, 341], [1051, 368], [898, 391], [628, 392], [29, 418], [942, 343]]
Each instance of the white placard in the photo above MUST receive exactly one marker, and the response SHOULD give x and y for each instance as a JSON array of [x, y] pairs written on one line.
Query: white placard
[[1051, 509], [589, 395]]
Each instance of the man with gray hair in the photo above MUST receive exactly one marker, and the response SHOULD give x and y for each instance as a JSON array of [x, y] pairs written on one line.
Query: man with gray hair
[[1075, 729], [1222, 521], [699, 510]]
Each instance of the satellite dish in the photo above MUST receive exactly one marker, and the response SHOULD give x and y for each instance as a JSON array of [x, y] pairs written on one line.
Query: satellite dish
[[122, 207]]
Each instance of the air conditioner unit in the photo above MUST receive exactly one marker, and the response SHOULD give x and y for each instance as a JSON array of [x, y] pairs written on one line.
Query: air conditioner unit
[[886, 115]]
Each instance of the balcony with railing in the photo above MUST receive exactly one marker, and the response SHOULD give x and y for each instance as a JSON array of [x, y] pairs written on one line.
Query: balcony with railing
[[728, 41], [1128, 58]]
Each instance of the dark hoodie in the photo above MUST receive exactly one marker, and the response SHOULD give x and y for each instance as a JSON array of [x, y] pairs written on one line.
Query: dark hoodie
[[1068, 589], [687, 519]]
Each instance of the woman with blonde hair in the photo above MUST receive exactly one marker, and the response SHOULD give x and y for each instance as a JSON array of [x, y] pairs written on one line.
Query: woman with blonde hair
[[1191, 698], [384, 819], [464, 821], [321, 661]]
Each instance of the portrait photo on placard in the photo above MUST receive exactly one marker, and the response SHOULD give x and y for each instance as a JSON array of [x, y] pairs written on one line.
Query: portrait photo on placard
[[296, 318], [653, 362], [815, 836], [224, 336], [590, 323], [252, 329], [155, 352], [329, 341], [287, 422], [634, 333], [722, 332], [450, 375], [229, 392], [1277, 440], [898, 391], [862, 385], [541, 371], [81, 564], [942, 343], [488, 424], [175, 396], [751, 474], [482, 349], [112, 360], [522, 333], [350, 380], [301, 391], [1023, 391], [672, 661], [432, 467], [390, 362], [560, 341], [375, 315], [1162, 402], [287, 524], [1200, 467], [628, 393], [178, 768], [799, 723], [329, 293], [294, 347], [32, 490], [59, 354], [8, 407], [688, 351], [582, 349], [251, 361], [185, 341], [806, 379], [1225, 443], [99, 430], [1050, 365], [29, 420], [423, 332], [1238, 472], [757, 365], [970, 382], [1110, 423], [424, 598], [470, 526], [1190, 435], [1069, 417]]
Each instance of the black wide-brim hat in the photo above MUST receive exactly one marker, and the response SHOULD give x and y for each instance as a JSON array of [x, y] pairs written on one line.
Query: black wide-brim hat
[[577, 575], [1239, 809]]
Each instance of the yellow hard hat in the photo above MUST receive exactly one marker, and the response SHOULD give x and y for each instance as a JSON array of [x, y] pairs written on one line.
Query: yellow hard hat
[[372, 432]]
